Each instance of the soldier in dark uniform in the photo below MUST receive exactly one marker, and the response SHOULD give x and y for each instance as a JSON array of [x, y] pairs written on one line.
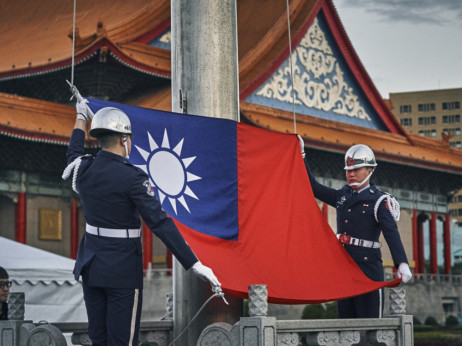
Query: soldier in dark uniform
[[363, 213], [114, 194]]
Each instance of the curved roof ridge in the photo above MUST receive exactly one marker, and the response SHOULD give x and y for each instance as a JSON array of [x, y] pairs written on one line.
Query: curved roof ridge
[[117, 21], [126, 56]]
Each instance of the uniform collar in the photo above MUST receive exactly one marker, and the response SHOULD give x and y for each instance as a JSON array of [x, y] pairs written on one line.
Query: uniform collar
[[112, 156], [364, 188]]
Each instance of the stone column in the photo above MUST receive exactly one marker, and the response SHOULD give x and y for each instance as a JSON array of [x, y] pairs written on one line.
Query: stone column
[[258, 329]]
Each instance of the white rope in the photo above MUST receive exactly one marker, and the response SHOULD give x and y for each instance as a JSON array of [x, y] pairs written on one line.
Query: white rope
[[73, 43], [73, 166], [291, 68], [218, 294], [392, 205]]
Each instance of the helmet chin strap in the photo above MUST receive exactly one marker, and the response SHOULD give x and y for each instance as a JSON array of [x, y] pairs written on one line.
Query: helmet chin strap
[[361, 183], [124, 138]]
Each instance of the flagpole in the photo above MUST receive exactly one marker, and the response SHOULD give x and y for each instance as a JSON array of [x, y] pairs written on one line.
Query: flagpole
[[204, 82]]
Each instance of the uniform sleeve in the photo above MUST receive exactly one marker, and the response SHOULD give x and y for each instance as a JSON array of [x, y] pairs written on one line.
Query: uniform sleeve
[[76, 145], [391, 234], [324, 193], [159, 223]]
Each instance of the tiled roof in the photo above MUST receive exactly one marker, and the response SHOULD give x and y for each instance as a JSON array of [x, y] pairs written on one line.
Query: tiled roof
[[35, 120], [124, 27], [38, 33], [338, 137]]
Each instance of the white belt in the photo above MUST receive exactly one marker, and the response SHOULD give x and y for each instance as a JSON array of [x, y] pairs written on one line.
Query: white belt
[[113, 232], [346, 239]]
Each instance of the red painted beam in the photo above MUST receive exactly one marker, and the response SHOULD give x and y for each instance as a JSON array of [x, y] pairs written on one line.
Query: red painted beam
[[433, 252], [21, 218], [415, 242], [147, 247], [447, 244]]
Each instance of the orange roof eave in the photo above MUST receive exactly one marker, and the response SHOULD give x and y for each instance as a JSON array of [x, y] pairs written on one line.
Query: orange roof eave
[[338, 137], [150, 60], [36, 120]]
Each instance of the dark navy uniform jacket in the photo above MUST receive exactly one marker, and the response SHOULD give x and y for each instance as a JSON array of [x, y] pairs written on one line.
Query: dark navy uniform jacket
[[355, 217], [114, 193]]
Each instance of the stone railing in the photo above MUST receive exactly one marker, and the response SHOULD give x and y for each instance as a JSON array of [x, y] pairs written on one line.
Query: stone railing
[[256, 330], [155, 333], [26, 333], [261, 330], [427, 277], [17, 332]]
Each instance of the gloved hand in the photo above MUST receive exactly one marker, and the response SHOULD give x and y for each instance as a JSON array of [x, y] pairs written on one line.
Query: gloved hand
[[206, 274], [404, 272], [302, 145], [83, 111]]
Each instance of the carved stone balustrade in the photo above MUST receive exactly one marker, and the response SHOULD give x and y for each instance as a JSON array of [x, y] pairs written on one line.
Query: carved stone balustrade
[[26, 333], [260, 330], [155, 333]]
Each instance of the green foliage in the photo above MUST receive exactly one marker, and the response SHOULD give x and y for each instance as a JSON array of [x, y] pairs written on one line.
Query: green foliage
[[331, 311], [451, 321], [319, 311], [423, 328], [431, 338], [416, 321], [246, 308], [431, 321]]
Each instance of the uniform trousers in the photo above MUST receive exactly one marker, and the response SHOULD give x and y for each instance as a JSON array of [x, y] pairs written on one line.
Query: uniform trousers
[[113, 315], [368, 305]]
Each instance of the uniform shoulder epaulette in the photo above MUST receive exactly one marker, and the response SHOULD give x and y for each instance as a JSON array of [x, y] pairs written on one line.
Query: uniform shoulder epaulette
[[137, 169]]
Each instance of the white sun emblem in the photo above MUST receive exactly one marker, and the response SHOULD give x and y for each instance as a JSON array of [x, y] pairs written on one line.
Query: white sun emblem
[[167, 171]]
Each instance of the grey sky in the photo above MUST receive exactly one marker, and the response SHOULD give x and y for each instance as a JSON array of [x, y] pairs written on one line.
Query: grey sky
[[406, 45]]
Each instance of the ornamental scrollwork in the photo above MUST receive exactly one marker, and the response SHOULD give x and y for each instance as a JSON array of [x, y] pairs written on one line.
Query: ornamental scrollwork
[[318, 80]]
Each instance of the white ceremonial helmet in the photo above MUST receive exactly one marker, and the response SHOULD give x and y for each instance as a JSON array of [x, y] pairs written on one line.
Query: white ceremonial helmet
[[110, 119], [358, 156]]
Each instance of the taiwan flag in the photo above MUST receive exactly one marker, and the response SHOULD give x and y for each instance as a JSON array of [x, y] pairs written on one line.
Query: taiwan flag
[[242, 200]]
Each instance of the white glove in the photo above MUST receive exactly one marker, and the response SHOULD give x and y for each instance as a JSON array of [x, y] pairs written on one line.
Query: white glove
[[206, 274], [404, 272], [302, 145], [83, 111]]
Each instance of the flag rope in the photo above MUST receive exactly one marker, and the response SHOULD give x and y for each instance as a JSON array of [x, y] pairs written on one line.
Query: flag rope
[[73, 44], [291, 68], [217, 294]]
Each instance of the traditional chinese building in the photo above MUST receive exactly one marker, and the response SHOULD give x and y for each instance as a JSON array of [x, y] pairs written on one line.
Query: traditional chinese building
[[122, 54]]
